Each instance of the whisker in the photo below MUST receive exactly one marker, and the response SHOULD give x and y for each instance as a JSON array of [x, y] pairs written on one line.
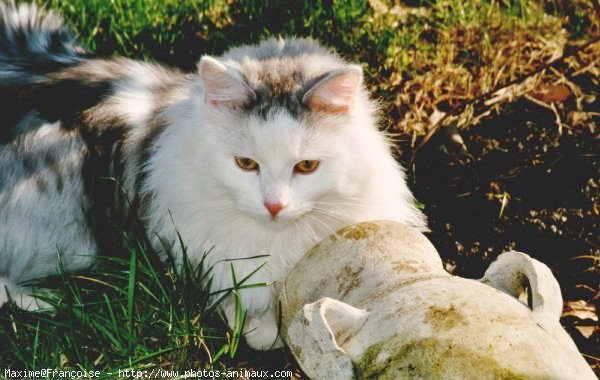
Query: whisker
[[310, 228], [333, 213], [302, 236], [322, 222], [338, 203], [337, 220], [233, 133]]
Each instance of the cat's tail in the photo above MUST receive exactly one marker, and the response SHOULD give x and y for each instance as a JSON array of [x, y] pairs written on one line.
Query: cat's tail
[[33, 42]]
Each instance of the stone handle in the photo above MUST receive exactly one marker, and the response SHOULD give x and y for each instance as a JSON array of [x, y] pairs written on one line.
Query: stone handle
[[315, 332], [511, 273]]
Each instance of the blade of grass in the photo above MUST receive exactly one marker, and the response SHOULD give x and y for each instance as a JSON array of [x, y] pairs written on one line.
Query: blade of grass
[[130, 301], [36, 342]]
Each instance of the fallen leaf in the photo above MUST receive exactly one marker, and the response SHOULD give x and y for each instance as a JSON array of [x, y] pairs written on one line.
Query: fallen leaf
[[549, 93], [581, 310], [586, 330], [435, 117]]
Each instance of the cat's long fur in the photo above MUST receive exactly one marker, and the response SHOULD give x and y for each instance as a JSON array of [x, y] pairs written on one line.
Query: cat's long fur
[[168, 139]]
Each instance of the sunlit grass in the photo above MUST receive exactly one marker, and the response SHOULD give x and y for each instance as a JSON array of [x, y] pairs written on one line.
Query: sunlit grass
[[131, 311], [418, 56]]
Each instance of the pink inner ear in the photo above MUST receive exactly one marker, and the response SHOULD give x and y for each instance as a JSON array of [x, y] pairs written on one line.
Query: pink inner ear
[[343, 87], [336, 93], [223, 86]]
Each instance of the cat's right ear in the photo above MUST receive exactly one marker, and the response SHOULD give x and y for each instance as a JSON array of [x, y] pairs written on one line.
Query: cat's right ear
[[223, 86]]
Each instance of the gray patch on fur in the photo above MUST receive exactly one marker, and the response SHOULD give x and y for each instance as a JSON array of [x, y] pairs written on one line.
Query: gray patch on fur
[[41, 200], [280, 72]]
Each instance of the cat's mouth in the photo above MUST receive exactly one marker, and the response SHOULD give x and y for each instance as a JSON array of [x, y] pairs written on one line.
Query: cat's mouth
[[282, 219], [279, 221]]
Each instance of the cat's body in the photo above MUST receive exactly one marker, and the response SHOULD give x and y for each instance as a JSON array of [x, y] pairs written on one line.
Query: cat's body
[[265, 151]]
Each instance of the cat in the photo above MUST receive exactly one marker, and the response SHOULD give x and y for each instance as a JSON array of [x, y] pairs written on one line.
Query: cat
[[259, 154]]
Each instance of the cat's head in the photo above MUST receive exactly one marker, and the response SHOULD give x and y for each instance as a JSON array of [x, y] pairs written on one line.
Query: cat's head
[[286, 119]]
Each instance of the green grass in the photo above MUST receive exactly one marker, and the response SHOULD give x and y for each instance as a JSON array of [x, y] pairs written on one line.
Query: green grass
[[430, 55], [132, 311]]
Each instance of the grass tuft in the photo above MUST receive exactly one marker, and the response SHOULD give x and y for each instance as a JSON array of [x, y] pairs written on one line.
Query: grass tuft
[[126, 313]]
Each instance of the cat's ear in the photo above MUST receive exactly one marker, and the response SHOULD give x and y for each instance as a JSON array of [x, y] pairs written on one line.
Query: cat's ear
[[336, 92], [224, 86]]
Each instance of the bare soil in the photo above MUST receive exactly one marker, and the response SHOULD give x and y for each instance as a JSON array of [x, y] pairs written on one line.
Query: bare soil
[[550, 185]]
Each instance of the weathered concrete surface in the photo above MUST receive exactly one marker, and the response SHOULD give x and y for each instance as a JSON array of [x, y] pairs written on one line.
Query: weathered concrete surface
[[373, 301]]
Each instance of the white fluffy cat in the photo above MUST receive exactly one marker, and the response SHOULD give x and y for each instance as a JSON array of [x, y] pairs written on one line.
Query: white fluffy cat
[[263, 152]]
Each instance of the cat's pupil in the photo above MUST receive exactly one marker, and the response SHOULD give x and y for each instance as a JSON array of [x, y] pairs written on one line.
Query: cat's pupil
[[246, 163]]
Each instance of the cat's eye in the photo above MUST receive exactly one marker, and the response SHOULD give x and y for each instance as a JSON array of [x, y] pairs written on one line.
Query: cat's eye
[[306, 166], [246, 163]]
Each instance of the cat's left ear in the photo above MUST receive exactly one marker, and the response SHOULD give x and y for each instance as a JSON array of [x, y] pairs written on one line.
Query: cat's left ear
[[224, 86], [336, 92]]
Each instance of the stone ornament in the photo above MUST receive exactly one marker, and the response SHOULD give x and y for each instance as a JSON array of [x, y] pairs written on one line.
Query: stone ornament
[[373, 301]]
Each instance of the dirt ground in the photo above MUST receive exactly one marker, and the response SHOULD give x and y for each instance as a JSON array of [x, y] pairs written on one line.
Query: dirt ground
[[549, 183]]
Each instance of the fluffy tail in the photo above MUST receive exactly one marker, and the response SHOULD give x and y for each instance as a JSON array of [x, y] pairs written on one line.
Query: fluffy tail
[[33, 42]]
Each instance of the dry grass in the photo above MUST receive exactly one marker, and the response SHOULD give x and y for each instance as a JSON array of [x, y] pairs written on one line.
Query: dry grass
[[459, 62]]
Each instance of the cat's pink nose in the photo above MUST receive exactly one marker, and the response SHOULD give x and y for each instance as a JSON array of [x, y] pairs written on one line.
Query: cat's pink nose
[[273, 208]]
